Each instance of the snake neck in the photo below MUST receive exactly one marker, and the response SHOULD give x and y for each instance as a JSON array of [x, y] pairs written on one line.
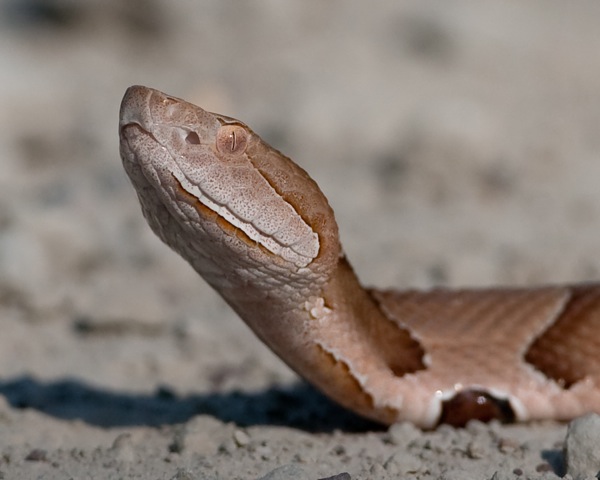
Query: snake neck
[[337, 338]]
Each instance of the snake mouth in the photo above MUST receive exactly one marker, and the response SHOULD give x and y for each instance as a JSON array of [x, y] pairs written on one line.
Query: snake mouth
[[130, 135], [136, 127]]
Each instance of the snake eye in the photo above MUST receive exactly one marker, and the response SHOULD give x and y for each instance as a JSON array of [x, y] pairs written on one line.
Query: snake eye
[[232, 139]]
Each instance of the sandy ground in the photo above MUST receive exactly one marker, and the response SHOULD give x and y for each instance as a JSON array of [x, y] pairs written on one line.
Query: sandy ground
[[457, 141]]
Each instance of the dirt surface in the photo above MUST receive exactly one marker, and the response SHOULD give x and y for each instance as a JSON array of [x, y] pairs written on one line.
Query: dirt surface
[[457, 141]]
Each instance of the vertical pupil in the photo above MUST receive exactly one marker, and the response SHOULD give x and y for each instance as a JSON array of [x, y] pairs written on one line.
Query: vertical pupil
[[232, 140]]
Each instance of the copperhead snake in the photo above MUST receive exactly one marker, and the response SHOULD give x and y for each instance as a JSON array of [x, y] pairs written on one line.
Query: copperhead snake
[[259, 230]]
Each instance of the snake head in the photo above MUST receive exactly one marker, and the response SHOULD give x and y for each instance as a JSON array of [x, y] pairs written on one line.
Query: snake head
[[220, 196]]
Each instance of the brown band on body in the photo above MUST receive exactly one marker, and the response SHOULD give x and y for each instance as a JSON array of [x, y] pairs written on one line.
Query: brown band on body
[[398, 349], [569, 349], [340, 379], [402, 353]]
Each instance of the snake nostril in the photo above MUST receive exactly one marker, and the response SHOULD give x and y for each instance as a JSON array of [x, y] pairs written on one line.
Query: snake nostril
[[192, 138]]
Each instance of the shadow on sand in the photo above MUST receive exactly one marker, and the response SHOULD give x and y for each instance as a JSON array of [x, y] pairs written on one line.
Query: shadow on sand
[[299, 406]]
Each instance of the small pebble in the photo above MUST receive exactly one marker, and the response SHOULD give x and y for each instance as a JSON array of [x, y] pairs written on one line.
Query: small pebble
[[228, 447], [288, 472], [543, 467], [177, 445], [507, 445], [339, 476], [377, 471], [475, 451], [500, 475], [339, 450], [241, 438], [123, 448], [401, 434], [264, 452], [454, 474], [403, 463], [37, 455], [183, 474], [582, 454]]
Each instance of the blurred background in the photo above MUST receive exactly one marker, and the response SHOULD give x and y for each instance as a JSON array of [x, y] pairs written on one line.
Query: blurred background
[[458, 143]]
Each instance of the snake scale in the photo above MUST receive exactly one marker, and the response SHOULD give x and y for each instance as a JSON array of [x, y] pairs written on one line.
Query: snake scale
[[259, 230]]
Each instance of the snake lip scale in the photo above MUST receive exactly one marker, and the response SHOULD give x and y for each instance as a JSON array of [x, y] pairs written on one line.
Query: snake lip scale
[[259, 230]]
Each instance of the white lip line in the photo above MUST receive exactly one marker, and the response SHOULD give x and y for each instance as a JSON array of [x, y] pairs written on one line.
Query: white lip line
[[248, 228]]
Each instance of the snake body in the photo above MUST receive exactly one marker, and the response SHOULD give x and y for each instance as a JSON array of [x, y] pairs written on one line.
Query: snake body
[[261, 233]]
